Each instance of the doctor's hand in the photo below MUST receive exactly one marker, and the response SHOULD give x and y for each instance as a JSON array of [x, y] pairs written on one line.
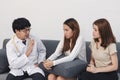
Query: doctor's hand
[[31, 44], [30, 47]]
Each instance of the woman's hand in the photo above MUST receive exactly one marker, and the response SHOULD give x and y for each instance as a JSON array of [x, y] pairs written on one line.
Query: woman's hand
[[48, 64], [91, 68]]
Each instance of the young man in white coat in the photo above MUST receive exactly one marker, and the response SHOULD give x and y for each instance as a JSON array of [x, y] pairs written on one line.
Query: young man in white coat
[[24, 52]]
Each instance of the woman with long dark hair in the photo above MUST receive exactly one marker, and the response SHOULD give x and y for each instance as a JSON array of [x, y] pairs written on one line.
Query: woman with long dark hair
[[72, 46]]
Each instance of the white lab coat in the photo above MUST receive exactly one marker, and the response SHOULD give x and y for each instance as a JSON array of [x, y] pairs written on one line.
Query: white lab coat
[[19, 62]]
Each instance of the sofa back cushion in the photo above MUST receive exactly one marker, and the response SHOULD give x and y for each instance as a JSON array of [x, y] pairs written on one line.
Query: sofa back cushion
[[50, 46], [88, 51], [118, 54]]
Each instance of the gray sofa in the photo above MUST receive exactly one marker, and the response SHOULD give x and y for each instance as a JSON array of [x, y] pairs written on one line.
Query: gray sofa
[[50, 46]]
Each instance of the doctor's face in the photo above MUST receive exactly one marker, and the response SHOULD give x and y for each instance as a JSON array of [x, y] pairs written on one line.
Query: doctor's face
[[24, 33]]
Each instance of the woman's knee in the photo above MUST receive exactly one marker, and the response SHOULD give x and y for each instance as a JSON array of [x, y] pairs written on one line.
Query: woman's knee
[[51, 77], [60, 78], [63, 78]]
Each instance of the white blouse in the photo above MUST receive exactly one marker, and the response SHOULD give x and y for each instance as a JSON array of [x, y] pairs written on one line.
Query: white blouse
[[79, 51]]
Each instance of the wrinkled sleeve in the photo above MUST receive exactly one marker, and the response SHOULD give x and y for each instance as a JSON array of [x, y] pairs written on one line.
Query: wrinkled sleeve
[[74, 53], [14, 60]]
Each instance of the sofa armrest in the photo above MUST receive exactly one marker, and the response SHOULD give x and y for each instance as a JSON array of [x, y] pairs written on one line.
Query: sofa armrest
[[5, 42], [3, 61]]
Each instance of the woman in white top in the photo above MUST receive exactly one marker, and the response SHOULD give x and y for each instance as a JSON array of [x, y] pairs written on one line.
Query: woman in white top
[[72, 46], [104, 61]]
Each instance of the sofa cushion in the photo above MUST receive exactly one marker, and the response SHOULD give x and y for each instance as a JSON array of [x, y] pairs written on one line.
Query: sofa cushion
[[3, 76], [3, 61]]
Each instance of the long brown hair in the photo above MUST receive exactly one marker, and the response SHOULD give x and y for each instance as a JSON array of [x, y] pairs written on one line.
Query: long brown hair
[[105, 32], [73, 24]]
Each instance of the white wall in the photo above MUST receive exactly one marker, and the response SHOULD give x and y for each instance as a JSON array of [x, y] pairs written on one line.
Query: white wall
[[47, 16]]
